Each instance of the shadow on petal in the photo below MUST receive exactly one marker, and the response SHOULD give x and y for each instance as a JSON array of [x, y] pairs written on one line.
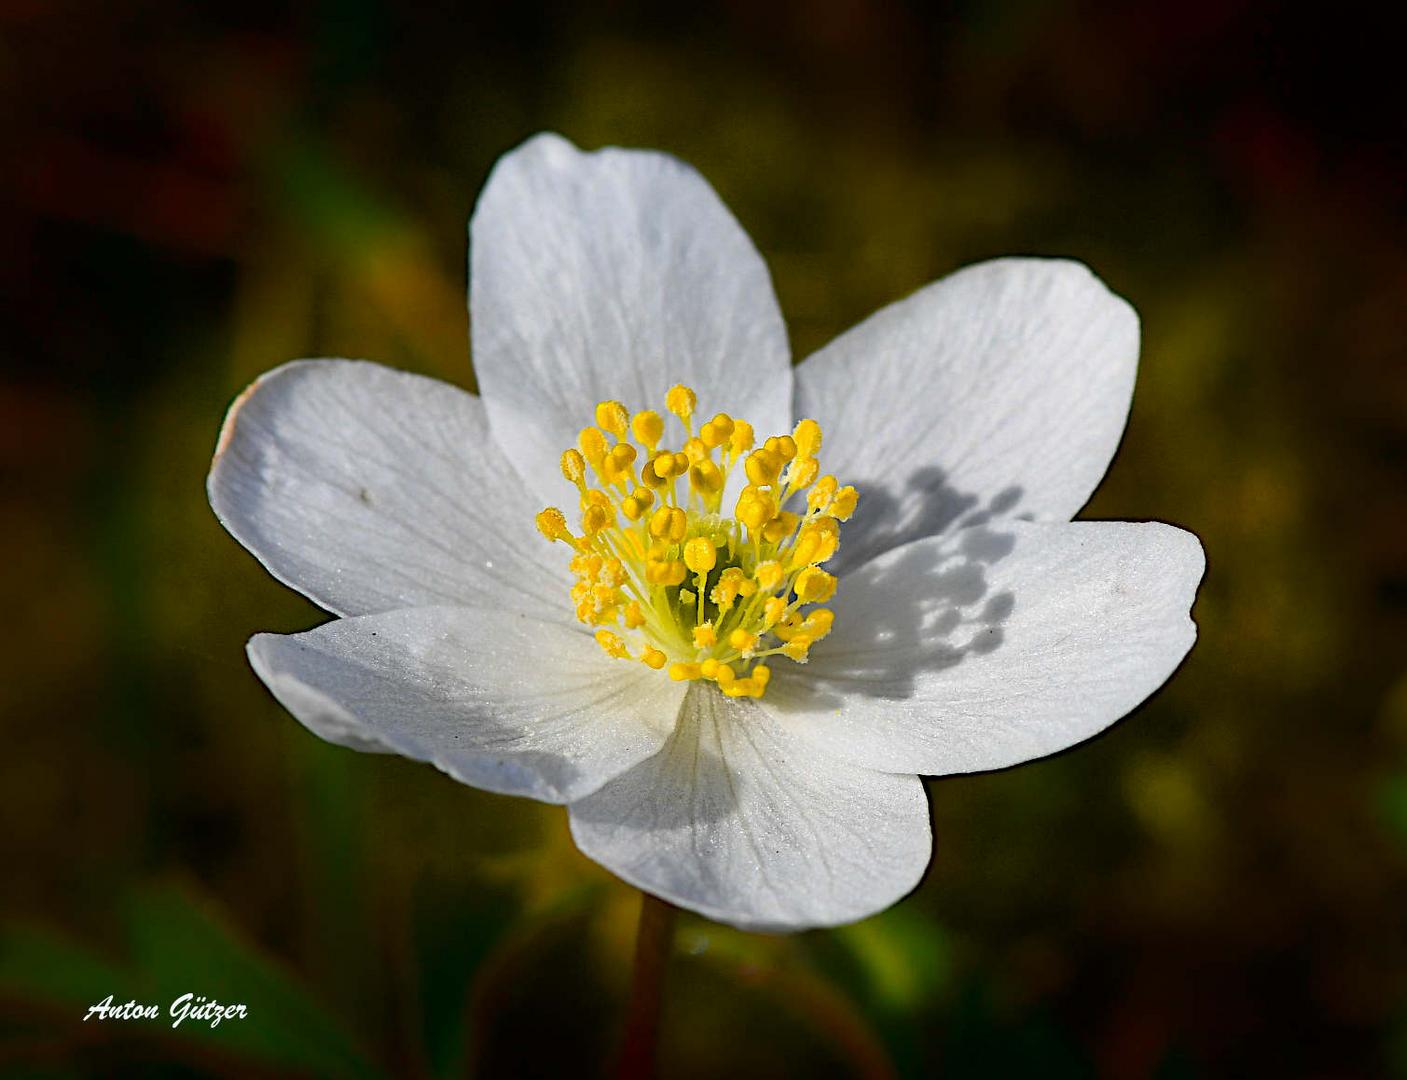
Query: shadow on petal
[[915, 596]]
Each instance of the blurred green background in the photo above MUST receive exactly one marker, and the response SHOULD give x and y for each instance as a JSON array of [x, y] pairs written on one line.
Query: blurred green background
[[195, 193]]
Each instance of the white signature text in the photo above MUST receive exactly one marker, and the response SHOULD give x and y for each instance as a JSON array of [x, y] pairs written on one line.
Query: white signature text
[[194, 1007]]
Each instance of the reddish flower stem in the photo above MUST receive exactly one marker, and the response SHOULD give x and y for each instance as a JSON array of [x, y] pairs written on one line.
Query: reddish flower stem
[[653, 944]]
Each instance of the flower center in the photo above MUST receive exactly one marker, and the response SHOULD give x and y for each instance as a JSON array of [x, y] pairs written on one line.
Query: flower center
[[667, 577]]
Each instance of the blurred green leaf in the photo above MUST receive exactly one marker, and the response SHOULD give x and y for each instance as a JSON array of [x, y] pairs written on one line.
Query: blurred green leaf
[[179, 945], [329, 199], [1392, 803], [902, 956], [39, 964]]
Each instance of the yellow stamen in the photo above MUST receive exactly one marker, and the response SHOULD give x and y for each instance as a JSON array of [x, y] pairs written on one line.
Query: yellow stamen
[[553, 525], [593, 446], [807, 436], [574, 466], [611, 416], [664, 577], [681, 401], [700, 555], [648, 428], [844, 503], [814, 586], [741, 440], [764, 466], [612, 644]]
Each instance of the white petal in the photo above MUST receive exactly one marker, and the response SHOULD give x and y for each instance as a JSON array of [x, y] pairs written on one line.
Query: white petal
[[498, 701], [740, 820], [995, 645], [1001, 390], [369, 489], [614, 275]]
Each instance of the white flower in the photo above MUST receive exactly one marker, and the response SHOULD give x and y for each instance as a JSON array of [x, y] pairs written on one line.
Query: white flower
[[974, 625]]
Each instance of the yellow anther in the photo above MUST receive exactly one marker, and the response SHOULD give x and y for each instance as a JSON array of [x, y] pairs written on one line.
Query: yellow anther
[[706, 477], [807, 436], [780, 527], [763, 467], [749, 687], [652, 657], [700, 555], [669, 523], [817, 542], [821, 495], [784, 446], [709, 668], [761, 674], [742, 640], [611, 416], [717, 431], [818, 622], [797, 648], [633, 508], [612, 644], [650, 474], [806, 549], [681, 401], [769, 575], [615, 467], [659, 522], [595, 497], [728, 589], [665, 572], [593, 446], [724, 675], [756, 508], [574, 466], [788, 628], [648, 427], [705, 637], [552, 523], [772, 611], [594, 518], [803, 472], [644, 496], [742, 438], [667, 466], [683, 672], [634, 616], [814, 586], [844, 503], [613, 573], [695, 450]]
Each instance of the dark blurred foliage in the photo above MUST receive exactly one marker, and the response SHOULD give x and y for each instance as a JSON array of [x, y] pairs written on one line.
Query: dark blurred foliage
[[194, 193]]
